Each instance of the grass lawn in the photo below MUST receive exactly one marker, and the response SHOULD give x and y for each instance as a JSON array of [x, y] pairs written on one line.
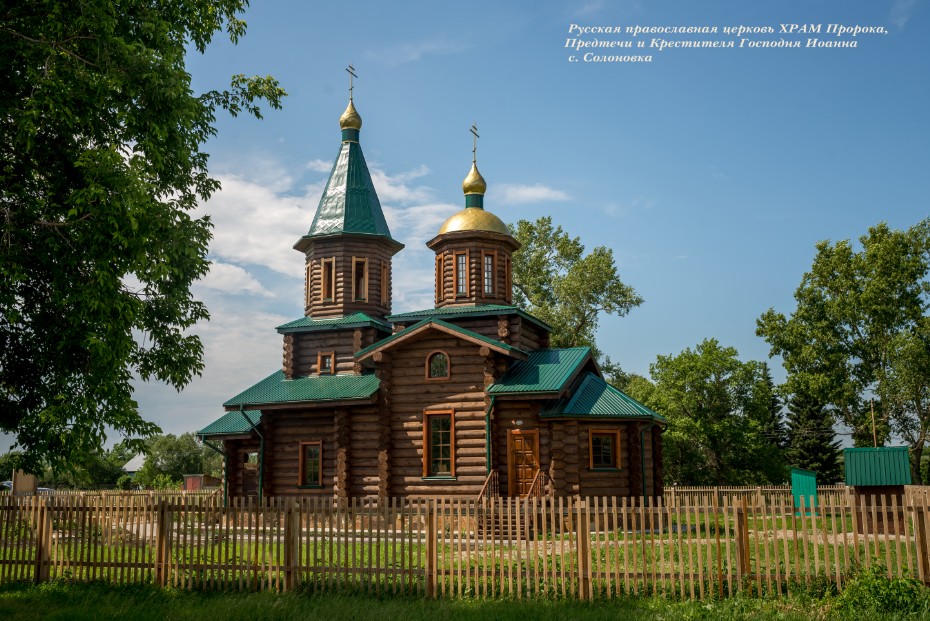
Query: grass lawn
[[142, 602]]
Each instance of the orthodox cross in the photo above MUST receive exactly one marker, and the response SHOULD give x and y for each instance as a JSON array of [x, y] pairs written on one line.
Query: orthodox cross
[[352, 74], [474, 148]]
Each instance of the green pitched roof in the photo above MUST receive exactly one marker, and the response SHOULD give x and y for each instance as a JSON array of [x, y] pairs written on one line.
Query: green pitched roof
[[884, 465], [349, 203], [449, 327], [231, 424], [277, 389], [546, 370], [454, 312], [355, 320], [594, 397]]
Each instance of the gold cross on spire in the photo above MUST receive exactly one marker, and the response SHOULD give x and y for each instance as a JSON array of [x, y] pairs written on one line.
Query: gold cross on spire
[[352, 74], [474, 147]]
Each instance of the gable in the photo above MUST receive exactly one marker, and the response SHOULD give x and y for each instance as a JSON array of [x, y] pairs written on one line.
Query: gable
[[544, 371], [411, 333]]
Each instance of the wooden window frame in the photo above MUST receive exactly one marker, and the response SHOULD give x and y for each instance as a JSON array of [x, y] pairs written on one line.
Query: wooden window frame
[[440, 281], [308, 298], [429, 358], [332, 362], [385, 276], [613, 433], [427, 448], [508, 278], [484, 273], [302, 464], [356, 261], [458, 271], [328, 266]]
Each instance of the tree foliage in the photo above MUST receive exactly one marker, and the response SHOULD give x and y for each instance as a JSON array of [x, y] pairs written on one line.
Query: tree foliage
[[170, 457], [860, 332], [556, 281], [718, 411], [812, 442], [101, 165]]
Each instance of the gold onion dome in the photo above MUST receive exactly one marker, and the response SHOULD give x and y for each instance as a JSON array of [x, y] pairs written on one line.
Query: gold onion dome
[[474, 219], [474, 183], [350, 119]]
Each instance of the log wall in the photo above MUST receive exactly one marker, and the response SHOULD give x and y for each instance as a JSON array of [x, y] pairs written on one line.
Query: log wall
[[412, 394], [343, 249], [301, 350], [445, 281]]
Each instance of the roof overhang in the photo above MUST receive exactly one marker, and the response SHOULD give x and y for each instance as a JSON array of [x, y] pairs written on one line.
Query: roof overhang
[[445, 328]]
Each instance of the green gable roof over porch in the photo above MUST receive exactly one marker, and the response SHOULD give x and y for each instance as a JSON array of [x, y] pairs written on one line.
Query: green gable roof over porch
[[232, 424], [595, 398]]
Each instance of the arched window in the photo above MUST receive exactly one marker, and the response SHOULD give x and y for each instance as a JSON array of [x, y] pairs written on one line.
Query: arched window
[[437, 366]]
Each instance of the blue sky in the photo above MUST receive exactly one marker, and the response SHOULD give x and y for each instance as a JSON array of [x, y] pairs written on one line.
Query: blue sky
[[711, 173]]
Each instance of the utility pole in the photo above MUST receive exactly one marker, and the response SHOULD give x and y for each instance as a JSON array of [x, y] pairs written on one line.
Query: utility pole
[[874, 434]]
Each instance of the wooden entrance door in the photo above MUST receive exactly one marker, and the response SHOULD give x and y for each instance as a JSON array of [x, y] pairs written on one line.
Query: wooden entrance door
[[522, 460]]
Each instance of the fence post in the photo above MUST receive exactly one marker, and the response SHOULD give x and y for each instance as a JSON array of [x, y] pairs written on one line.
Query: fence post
[[920, 536], [162, 548], [291, 546], [742, 540], [583, 537], [431, 535], [43, 541]]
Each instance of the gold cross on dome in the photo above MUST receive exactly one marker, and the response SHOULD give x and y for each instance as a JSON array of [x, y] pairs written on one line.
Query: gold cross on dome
[[474, 148], [352, 74]]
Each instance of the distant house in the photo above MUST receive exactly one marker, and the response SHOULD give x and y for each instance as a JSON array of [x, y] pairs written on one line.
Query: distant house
[[134, 465], [437, 402]]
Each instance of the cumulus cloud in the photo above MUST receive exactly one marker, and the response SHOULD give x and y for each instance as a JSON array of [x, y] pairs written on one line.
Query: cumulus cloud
[[516, 194], [253, 221], [232, 279], [319, 166], [412, 51]]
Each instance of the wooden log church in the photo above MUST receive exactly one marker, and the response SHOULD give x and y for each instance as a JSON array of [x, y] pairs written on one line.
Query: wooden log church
[[462, 399]]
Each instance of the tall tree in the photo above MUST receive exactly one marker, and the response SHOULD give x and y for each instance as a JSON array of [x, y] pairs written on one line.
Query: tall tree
[[718, 409], [171, 456], [858, 331], [556, 281], [812, 442], [101, 165]]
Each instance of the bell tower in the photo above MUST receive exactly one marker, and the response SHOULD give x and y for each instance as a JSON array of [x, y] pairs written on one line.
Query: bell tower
[[473, 250], [349, 247]]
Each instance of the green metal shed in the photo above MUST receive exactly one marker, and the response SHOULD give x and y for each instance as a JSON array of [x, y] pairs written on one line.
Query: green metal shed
[[887, 465], [804, 485]]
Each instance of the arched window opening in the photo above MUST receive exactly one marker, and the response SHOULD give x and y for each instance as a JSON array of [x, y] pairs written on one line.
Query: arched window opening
[[437, 366]]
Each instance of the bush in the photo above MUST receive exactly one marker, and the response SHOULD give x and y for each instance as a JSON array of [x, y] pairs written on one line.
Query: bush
[[124, 482], [870, 590], [164, 481]]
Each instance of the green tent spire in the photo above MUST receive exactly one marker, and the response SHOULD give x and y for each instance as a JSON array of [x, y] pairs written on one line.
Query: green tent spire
[[349, 204]]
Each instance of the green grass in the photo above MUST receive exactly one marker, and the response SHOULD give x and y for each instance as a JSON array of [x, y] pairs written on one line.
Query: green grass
[[142, 602]]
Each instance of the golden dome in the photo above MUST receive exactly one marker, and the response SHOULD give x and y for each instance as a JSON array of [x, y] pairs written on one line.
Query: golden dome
[[350, 118], [474, 219], [474, 183]]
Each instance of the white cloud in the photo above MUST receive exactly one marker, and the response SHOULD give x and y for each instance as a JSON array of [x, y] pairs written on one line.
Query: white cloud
[[253, 221], [515, 193], [901, 12], [397, 188], [411, 51], [417, 224], [232, 279], [319, 166]]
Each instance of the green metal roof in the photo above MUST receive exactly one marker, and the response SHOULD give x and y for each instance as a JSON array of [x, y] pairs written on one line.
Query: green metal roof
[[349, 203], [276, 389], [594, 397], [887, 465], [231, 424], [355, 320], [448, 326], [546, 370], [454, 312]]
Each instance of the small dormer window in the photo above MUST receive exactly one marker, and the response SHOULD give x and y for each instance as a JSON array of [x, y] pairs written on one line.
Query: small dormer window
[[437, 366], [326, 362]]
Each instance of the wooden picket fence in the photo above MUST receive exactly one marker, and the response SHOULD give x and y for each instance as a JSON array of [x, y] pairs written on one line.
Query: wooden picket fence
[[537, 547]]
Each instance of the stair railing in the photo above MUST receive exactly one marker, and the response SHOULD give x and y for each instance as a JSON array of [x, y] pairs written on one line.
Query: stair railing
[[538, 486], [491, 487]]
